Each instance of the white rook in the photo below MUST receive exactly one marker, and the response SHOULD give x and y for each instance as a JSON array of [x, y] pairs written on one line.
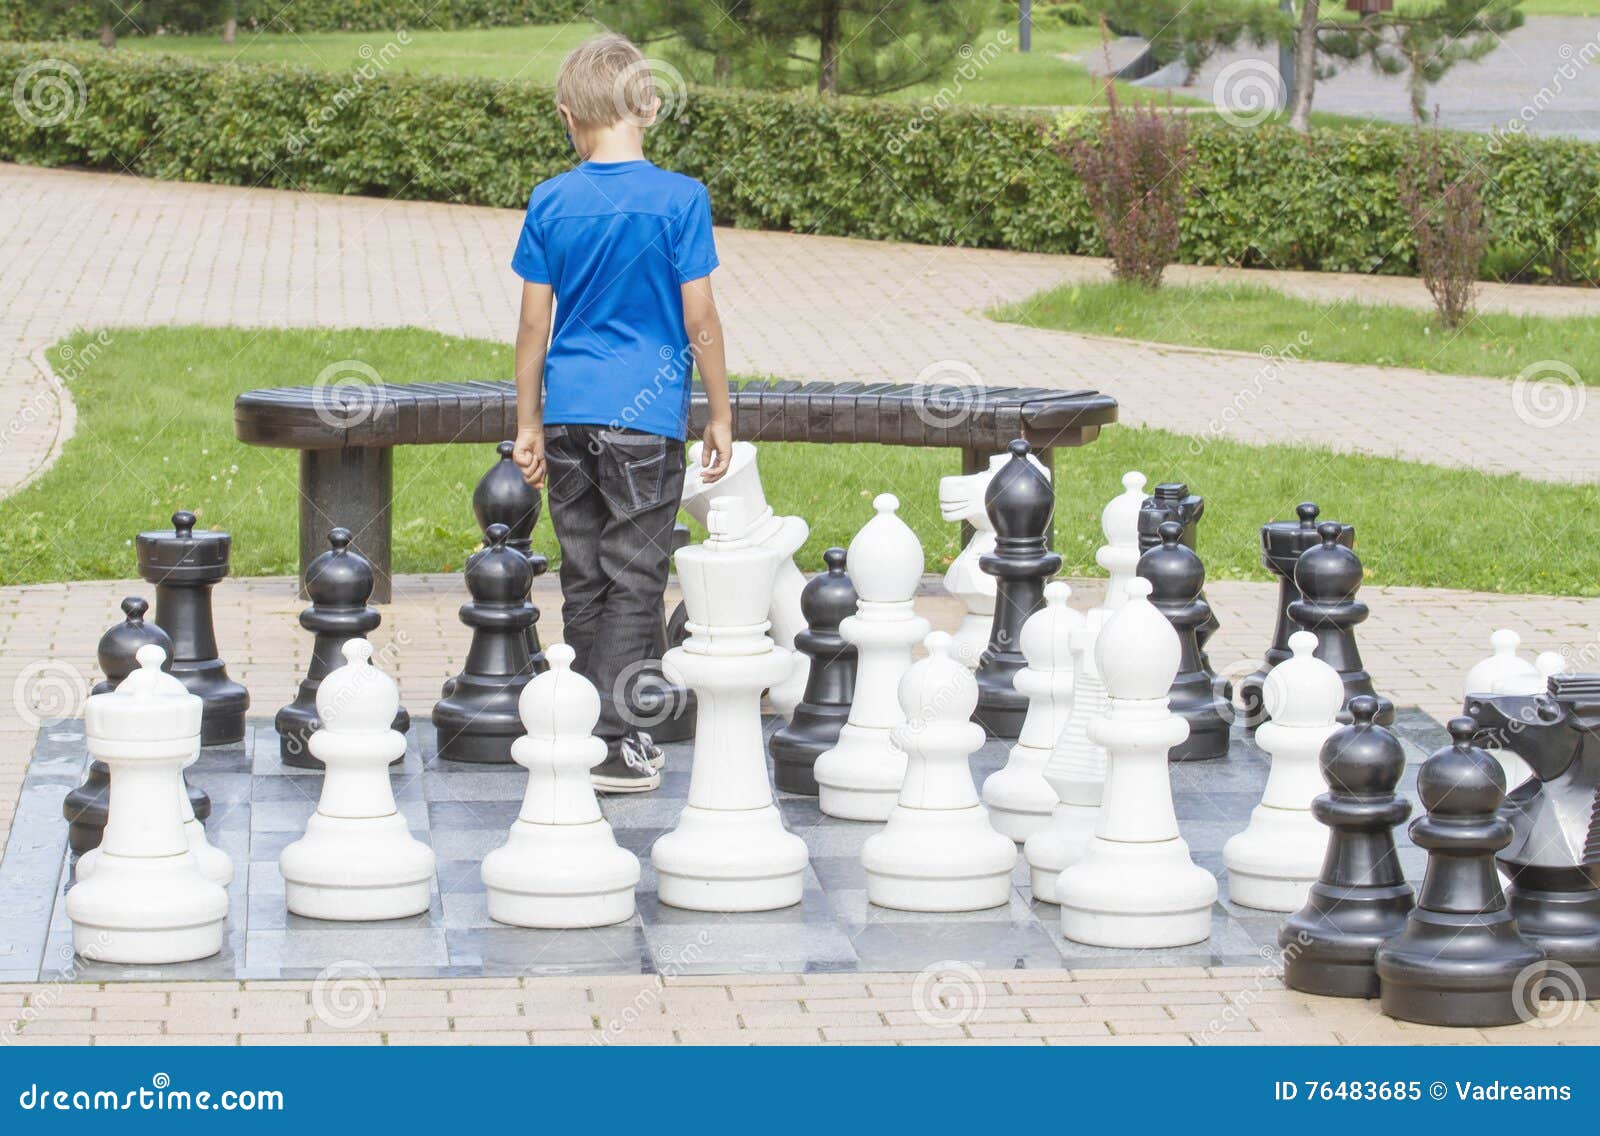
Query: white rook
[[147, 901]]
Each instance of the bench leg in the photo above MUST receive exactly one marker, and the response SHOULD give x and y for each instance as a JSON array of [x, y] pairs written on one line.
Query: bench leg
[[352, 487]]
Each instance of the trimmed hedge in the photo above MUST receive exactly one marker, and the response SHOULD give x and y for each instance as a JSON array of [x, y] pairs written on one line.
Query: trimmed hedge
[[23, 19], [971, 176]]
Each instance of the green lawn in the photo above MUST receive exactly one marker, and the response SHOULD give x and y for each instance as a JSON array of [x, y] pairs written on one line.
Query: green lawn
[[533, 53], [155, 433], [1247, 317]]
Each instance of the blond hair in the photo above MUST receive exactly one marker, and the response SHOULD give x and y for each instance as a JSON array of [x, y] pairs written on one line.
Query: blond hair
[[606, 80]]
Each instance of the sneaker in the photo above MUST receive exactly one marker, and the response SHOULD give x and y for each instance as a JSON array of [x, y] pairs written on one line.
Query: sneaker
[[645, 746], [626, 771]]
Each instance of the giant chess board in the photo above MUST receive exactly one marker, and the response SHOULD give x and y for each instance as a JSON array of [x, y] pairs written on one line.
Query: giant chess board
[[463, 811]]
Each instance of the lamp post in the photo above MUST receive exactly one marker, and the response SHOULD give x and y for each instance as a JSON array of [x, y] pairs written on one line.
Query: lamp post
[[1025, 27]]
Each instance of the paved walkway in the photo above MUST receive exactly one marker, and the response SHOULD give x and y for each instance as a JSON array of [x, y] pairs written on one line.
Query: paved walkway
[[1544, 77], [97, 250], [1418, 642]]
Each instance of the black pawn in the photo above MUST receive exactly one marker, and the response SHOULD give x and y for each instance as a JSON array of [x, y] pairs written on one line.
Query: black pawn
[[1328, 575], [477, 714], [185, 565], [1172, 501], [1020, 504], [1361, 899], [85, 807], [339, 583], [828, 598], [1282, 542], [1460, 961], [504, 497], [1177, 578]]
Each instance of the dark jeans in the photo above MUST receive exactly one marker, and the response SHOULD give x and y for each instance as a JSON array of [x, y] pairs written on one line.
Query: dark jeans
[[613, 499]]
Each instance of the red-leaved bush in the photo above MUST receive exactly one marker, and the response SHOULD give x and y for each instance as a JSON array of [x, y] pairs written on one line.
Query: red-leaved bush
[[1443, 196], [1133, 172]]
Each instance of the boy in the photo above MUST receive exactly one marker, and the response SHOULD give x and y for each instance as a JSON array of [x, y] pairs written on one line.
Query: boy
[[624, 250]]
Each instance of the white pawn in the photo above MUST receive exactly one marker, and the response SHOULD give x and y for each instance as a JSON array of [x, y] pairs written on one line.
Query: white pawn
[[938, 851], [1507, 672], [1136, 885], [729, 850], [760, 525], [1504, 669], [860, 777], [1020, 800], [1076, 768], [1275, 860], [147, 901], [961, 501], [561, 866], [1075, 771], [358, 859]]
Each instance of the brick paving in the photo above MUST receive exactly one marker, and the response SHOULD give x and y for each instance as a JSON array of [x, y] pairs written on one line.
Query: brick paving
[[1414, 642], [95, 250]]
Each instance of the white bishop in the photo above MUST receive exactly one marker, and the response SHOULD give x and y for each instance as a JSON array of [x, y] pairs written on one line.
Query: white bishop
[[358, 859], [561, 866], [860, 777]]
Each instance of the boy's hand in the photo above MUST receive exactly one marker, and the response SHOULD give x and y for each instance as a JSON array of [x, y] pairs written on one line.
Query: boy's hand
[[529, 455], [716, 451]]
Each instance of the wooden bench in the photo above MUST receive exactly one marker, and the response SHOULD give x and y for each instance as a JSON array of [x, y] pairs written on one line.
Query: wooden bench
[[346, 434]]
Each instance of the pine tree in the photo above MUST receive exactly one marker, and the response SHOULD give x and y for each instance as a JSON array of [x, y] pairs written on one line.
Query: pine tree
[[861, 47], [1421, 41]]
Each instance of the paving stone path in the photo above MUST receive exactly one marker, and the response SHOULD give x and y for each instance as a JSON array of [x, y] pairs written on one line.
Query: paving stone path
[[101, 250]]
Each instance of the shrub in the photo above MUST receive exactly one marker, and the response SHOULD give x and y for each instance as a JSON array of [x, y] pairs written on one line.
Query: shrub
[[1134, 173], [1444, 200], [26, 19], [973, 176]]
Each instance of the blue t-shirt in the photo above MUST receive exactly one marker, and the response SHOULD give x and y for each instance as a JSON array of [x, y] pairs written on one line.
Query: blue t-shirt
[[616, 241]]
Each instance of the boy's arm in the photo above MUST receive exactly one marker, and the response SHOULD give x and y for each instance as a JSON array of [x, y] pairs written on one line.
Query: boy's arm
[[533, 338], [704, 327]]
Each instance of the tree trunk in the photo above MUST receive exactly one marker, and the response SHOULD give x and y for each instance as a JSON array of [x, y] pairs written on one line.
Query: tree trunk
[[828, 50], [230, 30], [108, 36], [1305, 67], [722, 70]]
